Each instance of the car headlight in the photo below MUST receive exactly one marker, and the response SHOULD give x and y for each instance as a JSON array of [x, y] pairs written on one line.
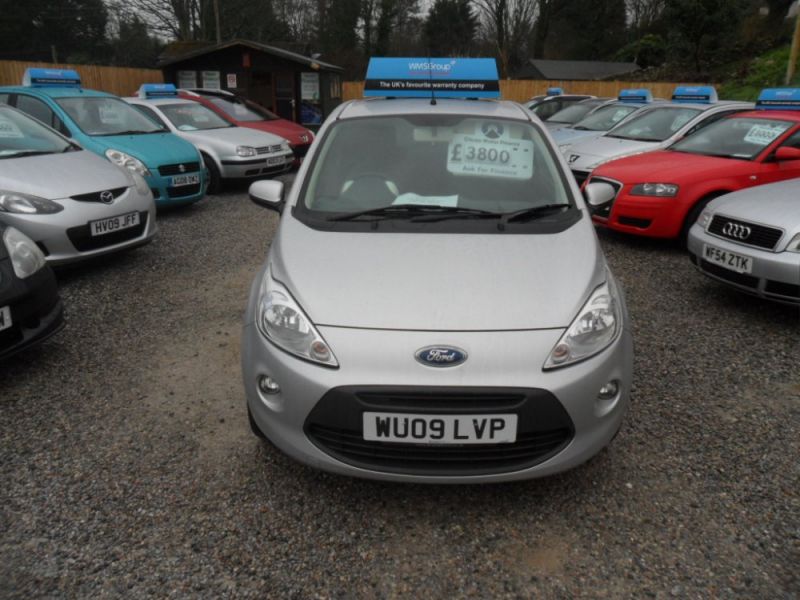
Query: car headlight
[[140, 184], [281, 320], [660, 190], [26, 204], [245, 151], [705, 217], [26, 258], [593, 330], [126, 161], [794, 244], [285, 146]]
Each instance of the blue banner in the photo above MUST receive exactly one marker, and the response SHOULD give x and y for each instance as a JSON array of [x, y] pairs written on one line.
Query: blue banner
[[704, 94], [440, 77], [34, 77], [157, 90], [779, 99]]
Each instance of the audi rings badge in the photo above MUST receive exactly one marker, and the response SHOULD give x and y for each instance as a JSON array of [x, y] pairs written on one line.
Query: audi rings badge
[[736, 231]]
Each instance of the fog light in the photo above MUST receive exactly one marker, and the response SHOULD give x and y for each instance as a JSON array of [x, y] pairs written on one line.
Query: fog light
[[268, 385], [609, 390]]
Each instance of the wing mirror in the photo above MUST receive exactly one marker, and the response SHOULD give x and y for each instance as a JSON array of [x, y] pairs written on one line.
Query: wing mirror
[[599, 193], [268, 194], [787, 153]]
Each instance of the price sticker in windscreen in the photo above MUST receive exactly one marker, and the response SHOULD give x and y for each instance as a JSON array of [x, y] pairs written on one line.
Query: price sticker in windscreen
[[763, 134], [490, 152]]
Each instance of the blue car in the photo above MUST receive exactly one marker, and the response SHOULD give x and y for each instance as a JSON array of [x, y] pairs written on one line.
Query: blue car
[[110, 127]]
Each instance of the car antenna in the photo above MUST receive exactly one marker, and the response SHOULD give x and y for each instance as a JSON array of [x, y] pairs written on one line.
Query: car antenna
[[430, 78]]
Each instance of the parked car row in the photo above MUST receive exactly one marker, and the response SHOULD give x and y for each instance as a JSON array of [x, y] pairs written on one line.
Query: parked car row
[[669, 170], [82, 172]]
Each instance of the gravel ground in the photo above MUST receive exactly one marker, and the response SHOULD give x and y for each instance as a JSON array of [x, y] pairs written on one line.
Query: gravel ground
[[128, 469]]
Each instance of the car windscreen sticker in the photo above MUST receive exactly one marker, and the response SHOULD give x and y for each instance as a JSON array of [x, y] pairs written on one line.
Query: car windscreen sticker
[[763, 134], [416, 199], [9, 130], [619, 115], [490, 151]]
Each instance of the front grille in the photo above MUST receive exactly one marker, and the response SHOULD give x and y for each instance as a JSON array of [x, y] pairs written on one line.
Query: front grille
[[760, 236], [95, 196], [543, 429], [184, 190], [84, 241], [175, 169], [268, 149], [728, 275], [634, 222], [779, 288]]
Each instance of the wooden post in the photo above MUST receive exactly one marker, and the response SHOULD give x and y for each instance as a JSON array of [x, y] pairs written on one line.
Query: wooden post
[[795, 48]]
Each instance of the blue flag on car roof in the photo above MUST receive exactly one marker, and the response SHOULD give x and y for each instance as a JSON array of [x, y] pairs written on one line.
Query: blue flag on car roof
[[555, 91], [779, 99], [635, 95], [35, 77], [432, 77], [695, 94], [157, 90]]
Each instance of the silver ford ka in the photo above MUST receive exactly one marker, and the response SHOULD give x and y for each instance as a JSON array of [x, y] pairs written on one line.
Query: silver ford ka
[[750, 240], [74, 204], [435, 306]]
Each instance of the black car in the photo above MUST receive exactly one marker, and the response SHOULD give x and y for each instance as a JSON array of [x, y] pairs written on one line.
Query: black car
[[30, 307]]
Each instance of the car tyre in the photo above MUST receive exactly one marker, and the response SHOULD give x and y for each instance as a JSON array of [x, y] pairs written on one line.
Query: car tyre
[[214, 177]]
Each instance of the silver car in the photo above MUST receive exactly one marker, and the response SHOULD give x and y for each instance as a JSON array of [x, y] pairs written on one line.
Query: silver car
[[439, 310], [751, 240], [73, 203], [229, 152], [653, 128]]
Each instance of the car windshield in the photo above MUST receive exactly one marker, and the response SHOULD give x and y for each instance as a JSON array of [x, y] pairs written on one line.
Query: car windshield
[[24, 136], [739, 137], [243, 110], [655, 125], [107, 116], [574, 112], [605, 118], [450, 161], [191, 116]]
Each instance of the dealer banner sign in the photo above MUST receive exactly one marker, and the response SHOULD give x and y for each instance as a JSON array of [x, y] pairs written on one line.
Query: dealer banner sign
[[432, 77]]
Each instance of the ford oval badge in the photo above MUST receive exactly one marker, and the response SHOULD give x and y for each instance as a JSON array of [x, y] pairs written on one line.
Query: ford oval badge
[[440, 356]]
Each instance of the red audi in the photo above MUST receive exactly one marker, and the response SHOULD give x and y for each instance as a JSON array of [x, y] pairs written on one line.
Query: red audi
[[661, 194]]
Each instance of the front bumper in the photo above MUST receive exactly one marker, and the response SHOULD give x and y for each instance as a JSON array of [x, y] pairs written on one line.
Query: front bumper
[[65, 237], [501, 364], [641, 215], [774, 275], [36, 309], [246, 168]]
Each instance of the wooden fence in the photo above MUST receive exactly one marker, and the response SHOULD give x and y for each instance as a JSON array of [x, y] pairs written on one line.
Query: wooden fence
[[520, 90], [121, 81]]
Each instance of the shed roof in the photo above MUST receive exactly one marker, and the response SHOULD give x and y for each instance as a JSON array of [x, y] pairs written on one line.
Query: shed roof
[[169, 59], [559, 70]]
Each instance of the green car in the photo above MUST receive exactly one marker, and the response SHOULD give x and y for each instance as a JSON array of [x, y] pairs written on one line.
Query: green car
[[108, 126]]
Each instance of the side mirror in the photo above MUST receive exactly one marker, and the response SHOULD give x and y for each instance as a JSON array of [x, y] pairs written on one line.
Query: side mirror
[[268, 194], [787, 153], [599, 193]]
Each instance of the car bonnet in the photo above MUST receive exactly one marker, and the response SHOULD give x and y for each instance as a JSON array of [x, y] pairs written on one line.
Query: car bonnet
[[153, 149], [437, 281], [68, 175], [777, 204]]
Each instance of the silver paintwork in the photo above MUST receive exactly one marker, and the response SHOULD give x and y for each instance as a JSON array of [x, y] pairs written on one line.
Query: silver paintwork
[[586, 155], [378, 299], [220, 144], [59, 176], [775, 205]]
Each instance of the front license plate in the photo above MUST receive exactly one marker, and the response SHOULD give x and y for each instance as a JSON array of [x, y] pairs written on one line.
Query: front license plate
[[276, 160], [112, 224], [180, 180], [726, 258], [440, 429], [5, 317]]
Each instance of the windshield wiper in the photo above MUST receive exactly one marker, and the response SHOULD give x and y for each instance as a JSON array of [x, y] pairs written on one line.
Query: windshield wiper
[[412, 210], [132, 132], [534, 212]]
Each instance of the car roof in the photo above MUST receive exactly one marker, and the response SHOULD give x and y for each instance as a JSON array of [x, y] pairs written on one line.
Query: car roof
[[778, 115], [498, 109], [57, 92]]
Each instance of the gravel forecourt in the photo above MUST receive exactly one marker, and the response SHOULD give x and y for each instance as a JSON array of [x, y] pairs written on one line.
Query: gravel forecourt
[[128, 468]]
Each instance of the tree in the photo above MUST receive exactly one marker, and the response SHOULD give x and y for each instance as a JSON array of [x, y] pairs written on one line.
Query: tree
[[508, 25], [450, 28], [587, 29], [133, 46]]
